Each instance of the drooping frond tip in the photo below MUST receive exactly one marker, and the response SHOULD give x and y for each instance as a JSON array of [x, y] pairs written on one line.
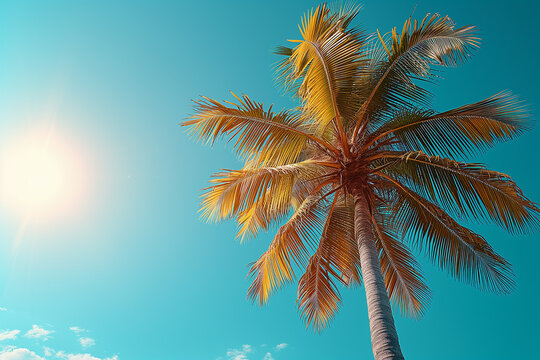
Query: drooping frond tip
[[402, 276], [469, 190], [336, 261], [275, 266], [463, 253]]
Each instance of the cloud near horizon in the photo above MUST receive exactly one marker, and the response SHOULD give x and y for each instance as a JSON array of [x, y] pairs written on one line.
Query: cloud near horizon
[[246, 352], [9, 334], [76, 329], [14, 353], [37, 332], [236, 354], [87, 342], [66, 356]]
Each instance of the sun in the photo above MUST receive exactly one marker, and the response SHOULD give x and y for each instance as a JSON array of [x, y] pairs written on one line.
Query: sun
[[39, 175]]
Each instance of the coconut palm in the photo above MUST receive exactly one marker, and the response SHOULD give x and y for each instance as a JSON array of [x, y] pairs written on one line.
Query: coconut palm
[[363, 166]]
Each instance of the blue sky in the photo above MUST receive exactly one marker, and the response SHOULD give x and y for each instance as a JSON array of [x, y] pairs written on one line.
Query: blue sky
[[129, 271]]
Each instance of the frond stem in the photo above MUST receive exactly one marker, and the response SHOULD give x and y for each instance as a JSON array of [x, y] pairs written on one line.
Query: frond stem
[[336, 120]]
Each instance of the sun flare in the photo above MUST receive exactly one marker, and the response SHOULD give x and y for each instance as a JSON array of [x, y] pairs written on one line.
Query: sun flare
[[40, 176]]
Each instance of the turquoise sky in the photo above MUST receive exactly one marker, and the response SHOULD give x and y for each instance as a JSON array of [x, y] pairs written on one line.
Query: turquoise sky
[[131, 267]]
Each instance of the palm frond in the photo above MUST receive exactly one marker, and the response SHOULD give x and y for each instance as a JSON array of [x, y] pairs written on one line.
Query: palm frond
[[261, 135], [236, 191], [460, 131], [325, 64], [260, 216], [410, 55], [470, 189], [349, 266], [275, 266], [332, 263], [458, 250], [345, 12], [403, 279]]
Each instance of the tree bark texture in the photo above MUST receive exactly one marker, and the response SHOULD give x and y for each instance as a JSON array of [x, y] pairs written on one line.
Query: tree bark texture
[[384, 338]]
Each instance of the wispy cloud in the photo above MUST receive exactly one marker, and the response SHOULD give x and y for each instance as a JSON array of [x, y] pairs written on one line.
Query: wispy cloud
[[9, 334], [14, 353], [3, 308], [247, 352], [66, 356], [38, 332], [87, 342], [48, 351], [11, 352], [239, 354], [76, 329]]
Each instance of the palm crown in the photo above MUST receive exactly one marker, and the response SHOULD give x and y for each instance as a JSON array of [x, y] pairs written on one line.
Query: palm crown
[[364, 146]]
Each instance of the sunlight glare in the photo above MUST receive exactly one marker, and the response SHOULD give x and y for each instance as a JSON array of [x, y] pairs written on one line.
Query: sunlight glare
[[39, 176]]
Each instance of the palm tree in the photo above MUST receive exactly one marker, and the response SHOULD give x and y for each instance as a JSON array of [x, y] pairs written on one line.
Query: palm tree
[[363, 165]]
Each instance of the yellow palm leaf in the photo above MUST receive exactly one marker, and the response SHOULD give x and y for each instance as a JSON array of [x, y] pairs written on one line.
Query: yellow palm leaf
[[237, 191], [275, 266], [262, 136], [326, 63]]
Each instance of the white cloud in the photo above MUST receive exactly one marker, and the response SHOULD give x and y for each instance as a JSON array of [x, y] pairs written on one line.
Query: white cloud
[[63, 355], [37, 332], [246, 352], [19, 354], [236, 354], [76, 329], [3, 308], [48, 351], [87, 342], [9, 334]]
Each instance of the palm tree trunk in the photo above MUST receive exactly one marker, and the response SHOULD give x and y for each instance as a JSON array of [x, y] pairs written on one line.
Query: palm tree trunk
[[384, 338]]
